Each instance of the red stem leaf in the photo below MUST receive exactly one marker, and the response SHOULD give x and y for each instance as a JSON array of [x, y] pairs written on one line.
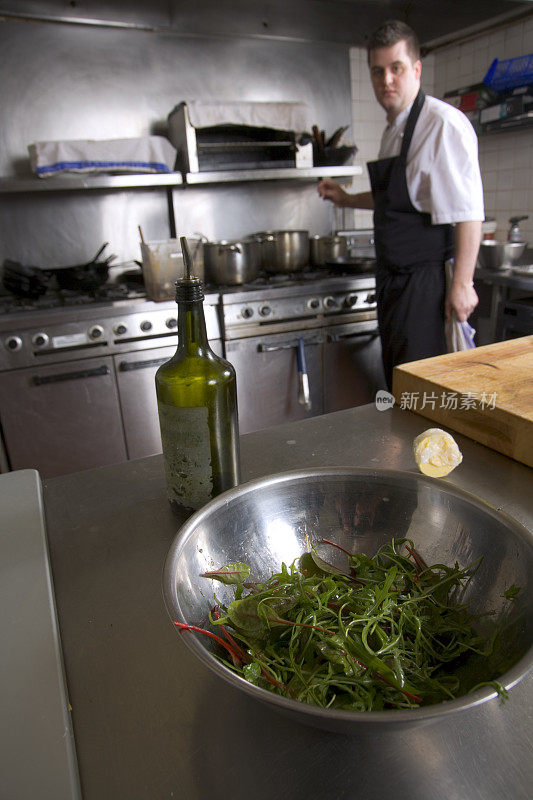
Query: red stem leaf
[[184, 627]]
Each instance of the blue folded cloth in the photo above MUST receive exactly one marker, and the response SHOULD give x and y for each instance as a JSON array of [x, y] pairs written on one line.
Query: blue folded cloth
[[146, 154]]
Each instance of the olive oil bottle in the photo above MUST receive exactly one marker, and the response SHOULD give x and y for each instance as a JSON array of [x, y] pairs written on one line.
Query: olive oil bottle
[[197, 405]]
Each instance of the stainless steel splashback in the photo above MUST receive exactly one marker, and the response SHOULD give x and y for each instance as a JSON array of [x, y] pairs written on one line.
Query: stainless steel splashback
[[123, 83]]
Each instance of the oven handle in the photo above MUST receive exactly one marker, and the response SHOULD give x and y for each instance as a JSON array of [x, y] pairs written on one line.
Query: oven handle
[[288, 345], [373, 333], [39, 380], [127, 366]]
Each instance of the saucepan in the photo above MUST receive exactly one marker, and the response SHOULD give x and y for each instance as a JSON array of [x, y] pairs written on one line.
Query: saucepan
[[324, 248], [284, 251], [232, 262]]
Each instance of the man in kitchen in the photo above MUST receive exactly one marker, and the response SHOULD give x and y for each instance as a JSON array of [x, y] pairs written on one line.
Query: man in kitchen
[[427, 197]]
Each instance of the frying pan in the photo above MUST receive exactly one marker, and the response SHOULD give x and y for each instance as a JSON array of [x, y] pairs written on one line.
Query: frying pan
[[352, 265], [84, 276]]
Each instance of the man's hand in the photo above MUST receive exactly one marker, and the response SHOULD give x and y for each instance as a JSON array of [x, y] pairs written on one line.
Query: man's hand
[[462, 298], [329, 190]]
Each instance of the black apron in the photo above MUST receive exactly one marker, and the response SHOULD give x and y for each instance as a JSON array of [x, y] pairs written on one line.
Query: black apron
[[410, 254]]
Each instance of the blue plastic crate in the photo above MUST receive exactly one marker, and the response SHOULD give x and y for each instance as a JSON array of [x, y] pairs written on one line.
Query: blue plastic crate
[[510, 73]]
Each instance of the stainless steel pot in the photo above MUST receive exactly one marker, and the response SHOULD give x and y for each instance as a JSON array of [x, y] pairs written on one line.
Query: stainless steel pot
[[284, 251], [499, 255], [232, 262], [324, 248]]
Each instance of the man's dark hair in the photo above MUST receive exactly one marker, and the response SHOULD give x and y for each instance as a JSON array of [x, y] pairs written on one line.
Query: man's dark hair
[[390, 33]]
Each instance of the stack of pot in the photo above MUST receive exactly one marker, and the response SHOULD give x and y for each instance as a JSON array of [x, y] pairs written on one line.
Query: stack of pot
[[241, 261]]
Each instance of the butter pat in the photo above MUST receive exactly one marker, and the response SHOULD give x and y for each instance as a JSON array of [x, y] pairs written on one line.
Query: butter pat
[[436, 453]]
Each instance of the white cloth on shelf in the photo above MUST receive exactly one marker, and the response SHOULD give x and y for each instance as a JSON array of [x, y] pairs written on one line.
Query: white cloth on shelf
[[146, 154], [286, 116]]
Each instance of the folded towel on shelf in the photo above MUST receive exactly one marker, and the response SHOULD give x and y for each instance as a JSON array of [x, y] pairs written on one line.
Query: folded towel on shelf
[[291, 116], [143, 154]]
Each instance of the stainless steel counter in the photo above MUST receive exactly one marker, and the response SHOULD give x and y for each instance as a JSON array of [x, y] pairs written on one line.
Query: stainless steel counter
[[502, 283], [150, 722]]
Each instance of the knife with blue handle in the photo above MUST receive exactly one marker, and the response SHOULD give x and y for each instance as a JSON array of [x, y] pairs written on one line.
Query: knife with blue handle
[[303, 379]]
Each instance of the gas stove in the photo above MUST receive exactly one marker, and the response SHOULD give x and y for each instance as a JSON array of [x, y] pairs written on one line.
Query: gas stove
[[115, 318], [35, 333], [319, 300]]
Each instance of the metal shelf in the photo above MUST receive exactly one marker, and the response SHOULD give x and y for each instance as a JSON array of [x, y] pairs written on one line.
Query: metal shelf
[[287, 173], [76, 183]]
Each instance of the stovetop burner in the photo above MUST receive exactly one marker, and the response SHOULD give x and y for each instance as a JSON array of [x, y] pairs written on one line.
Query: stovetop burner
[[298, 277], [58, 298]]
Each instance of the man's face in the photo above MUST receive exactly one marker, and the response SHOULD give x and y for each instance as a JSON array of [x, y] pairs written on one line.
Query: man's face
[[395, 78]]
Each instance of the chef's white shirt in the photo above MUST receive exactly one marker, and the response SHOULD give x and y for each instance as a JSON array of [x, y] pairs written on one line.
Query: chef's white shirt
[[442, 172]]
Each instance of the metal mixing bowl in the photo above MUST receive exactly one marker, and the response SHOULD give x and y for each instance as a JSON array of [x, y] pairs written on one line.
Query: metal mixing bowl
[[277, 518], [499, 255]]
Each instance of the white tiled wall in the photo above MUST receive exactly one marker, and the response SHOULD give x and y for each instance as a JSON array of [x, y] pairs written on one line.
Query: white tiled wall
[[506, 159]]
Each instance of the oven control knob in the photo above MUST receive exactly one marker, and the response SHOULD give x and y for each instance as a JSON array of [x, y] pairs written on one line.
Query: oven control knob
[[146, 325], [171, 322], [265, 311], [120, 328], [314, 303], [96, 332], [40, 340], [370, 298], [247, 312], [350, 301], [13, 343], [330, 302]]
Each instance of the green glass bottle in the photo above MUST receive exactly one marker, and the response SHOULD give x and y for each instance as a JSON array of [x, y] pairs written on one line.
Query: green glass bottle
[[197, 405]]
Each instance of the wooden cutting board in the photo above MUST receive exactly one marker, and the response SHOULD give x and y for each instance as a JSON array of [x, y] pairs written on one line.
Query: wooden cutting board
[[485, 393]]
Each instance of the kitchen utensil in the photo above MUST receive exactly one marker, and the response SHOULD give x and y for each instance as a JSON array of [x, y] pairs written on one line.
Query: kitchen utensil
[[304, 397], [84, 277], [488, 229], [277, 518], [232, 262], [162, 264], [334, 140], [515, 234], [24, 281], [324, 248], [335, 156], [496, 378], [351, 265], [499, 255], [319, 139], [284, 251]]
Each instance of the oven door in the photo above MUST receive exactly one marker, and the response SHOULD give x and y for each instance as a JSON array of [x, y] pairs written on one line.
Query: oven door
[[136, 385], [268, 380], [353, 370], [62, 418]]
